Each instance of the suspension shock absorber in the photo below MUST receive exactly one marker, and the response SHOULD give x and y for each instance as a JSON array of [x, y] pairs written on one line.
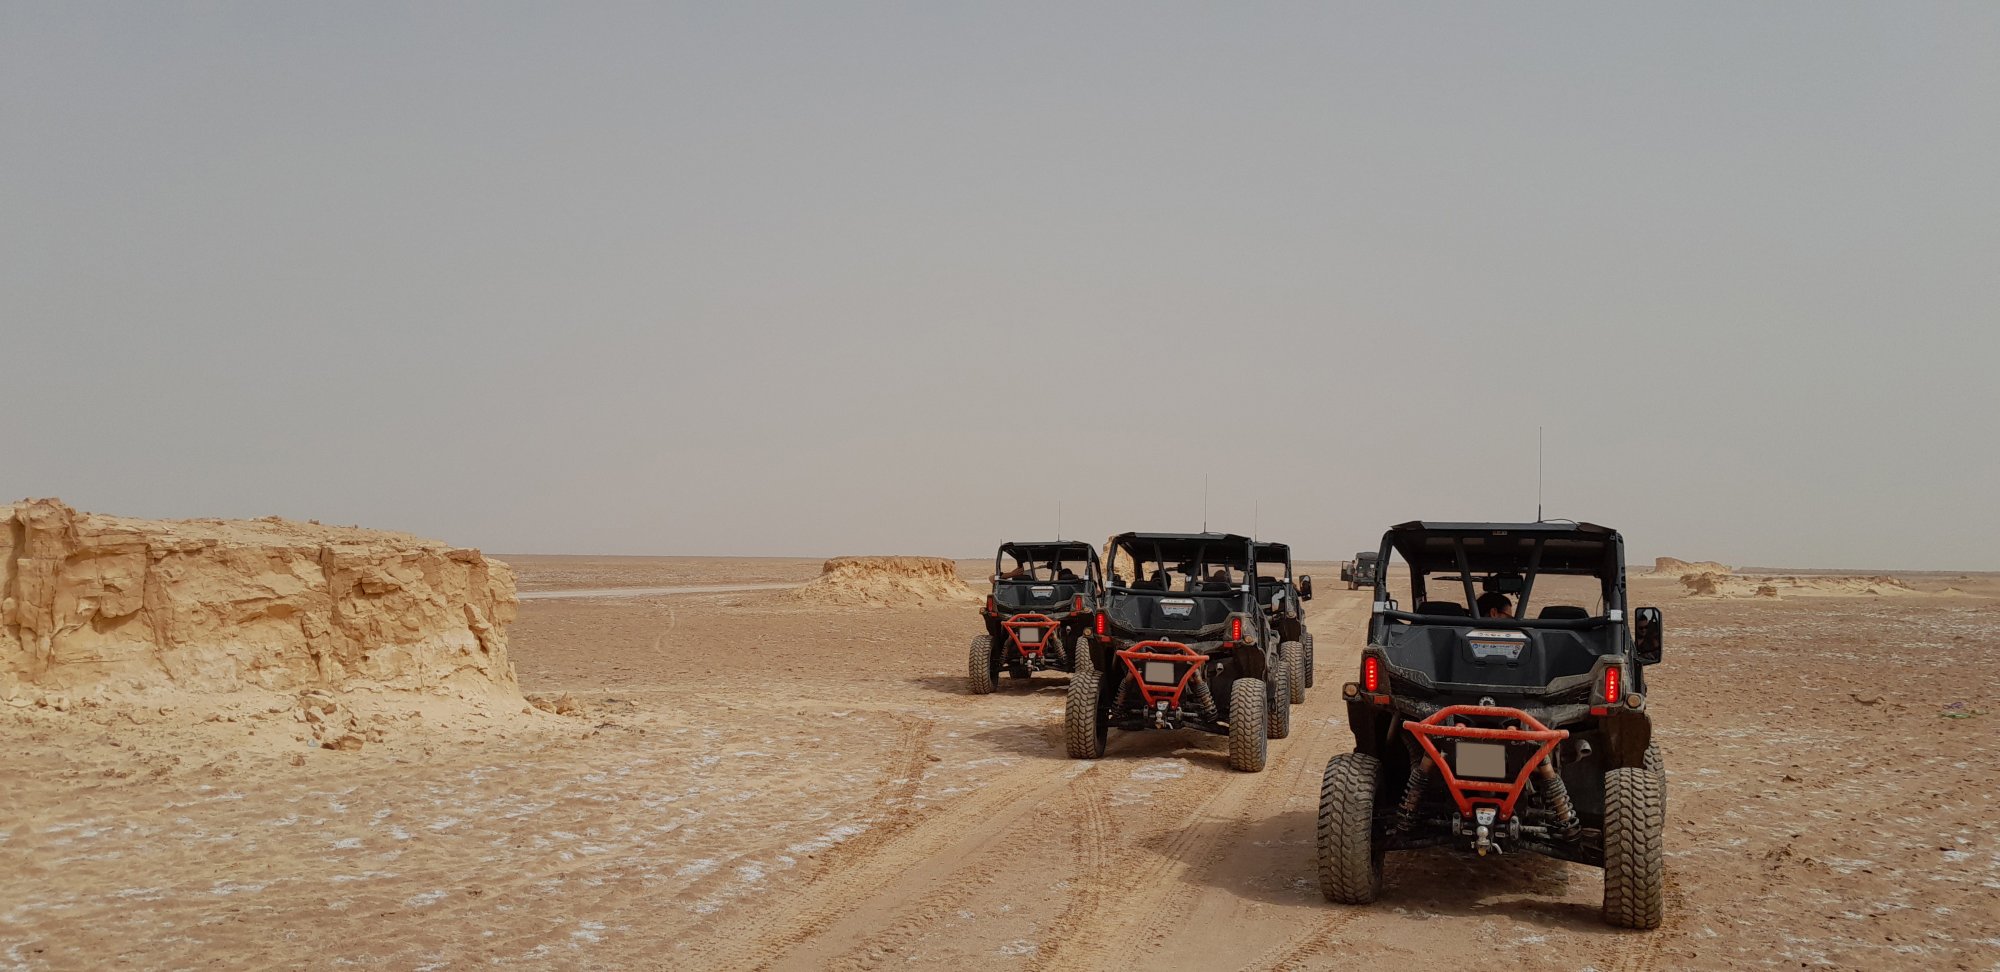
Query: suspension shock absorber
[[1557, 794], [1204, 702], [1413, 793]]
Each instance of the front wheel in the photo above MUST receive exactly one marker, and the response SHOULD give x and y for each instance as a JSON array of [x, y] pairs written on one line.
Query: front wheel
[[1350, 860], [982, 670], [1635, 824], [1248, 743], [1294, 654], [1083, 718]]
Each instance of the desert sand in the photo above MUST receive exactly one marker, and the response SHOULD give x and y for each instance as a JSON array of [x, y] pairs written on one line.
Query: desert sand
[[765, 779]]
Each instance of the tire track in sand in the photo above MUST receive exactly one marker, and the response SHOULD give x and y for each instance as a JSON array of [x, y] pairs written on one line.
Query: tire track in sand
[[1146, 901], [873, 862]]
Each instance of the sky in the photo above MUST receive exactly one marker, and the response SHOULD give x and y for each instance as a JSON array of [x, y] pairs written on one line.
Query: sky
[[819, 279]]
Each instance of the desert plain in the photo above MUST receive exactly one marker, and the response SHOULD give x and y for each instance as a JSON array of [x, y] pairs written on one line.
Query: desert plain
[[749, 778]]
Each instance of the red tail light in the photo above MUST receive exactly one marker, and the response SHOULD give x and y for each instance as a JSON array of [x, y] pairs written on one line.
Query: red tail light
[[1236, 629], [1076, 604], [1371, 674], [1611, 687], [991, 607], [1100, 624]]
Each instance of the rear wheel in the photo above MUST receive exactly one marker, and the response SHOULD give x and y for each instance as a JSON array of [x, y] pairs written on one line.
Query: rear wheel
[[1294, 654], [1635, 823], [1278, 704], [1247, 742], [1309, 659], [1083, 719], [1350, 862], [981, 668]]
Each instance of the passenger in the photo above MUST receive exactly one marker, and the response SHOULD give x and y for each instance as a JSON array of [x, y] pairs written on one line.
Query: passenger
[[1493, 604]]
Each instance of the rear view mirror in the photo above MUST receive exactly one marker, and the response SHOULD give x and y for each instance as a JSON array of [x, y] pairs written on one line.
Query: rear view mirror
[[1647, 635], [1305, 587]]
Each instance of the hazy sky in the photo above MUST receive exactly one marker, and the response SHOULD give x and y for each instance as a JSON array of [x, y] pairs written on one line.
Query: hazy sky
[[817, 279]]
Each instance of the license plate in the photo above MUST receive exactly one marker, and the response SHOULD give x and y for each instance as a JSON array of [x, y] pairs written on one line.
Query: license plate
[[1161, 673], [1483, 760], [1031, 636]]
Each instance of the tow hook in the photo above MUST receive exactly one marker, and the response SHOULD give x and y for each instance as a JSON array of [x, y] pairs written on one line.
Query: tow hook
[[1484, 835], [1160, 714]]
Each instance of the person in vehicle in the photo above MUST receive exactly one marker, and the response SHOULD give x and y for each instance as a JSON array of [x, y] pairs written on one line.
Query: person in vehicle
[[1494, 604]]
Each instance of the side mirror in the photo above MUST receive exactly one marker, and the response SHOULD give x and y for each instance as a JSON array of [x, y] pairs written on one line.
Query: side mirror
[[1305, 587], [1647, 635]]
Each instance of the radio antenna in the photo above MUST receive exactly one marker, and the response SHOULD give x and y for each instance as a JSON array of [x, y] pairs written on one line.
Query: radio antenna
[[1538, 474], [1256, 513], [1204, 503], [1058, 519]]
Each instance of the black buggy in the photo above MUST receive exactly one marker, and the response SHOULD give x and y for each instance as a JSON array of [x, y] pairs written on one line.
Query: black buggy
[[1283, 598], [1361, 571], [1181, 642], [1495, 734], [1044, 596]]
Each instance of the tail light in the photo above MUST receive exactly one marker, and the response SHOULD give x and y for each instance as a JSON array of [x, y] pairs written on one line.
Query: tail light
[[991, 606], [1236, 629], [1076, 604], [1100, 624], [1371, 673], [1612, 690]]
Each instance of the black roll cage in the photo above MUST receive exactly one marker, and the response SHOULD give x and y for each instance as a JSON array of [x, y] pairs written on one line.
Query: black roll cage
[[1050, 552], [1608, 568]]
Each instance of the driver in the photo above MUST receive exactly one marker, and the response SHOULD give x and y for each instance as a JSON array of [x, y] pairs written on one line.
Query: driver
[[1494, 604]]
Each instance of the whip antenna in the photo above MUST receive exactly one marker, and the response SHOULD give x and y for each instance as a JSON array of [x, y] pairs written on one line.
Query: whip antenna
[[1058, 519], [1204, 503], [1538, 474]]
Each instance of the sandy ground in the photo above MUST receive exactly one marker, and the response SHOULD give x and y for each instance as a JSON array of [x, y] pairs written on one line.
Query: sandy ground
[[757, 782]]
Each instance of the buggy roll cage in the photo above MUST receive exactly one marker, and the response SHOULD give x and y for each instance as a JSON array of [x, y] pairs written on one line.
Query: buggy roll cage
[[1051, 553], [1134, 545], [1526, 549]]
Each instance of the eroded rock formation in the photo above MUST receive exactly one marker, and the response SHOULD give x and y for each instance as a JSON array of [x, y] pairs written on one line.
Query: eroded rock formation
[[114, 605]]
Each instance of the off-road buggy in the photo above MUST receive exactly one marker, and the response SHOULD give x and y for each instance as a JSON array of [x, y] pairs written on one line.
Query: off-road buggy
[[1044, 597], [1501, 734], [1283, 597], [1181, 642], [1361, 571]]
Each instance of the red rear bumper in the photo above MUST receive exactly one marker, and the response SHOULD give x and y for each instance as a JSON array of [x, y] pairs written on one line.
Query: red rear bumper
[[1470, 794]]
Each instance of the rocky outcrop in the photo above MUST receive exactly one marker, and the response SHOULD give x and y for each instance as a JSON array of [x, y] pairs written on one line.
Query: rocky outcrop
[[884, 581], [1675, 567], [93, 604]]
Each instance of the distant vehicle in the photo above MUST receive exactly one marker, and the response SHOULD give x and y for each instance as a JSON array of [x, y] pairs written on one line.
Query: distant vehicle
[[1283, 599], [1181, 642], [1044, 596], [1502, 733], [1361, 571]]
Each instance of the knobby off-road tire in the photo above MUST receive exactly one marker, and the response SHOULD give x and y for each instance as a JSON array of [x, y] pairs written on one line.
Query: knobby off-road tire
[[1658, 764], [1083, 720], [1350, 865], [1635, 824], [1294, 654], [1247, 725], [979, 667], [1278, 701], [1309, 659]]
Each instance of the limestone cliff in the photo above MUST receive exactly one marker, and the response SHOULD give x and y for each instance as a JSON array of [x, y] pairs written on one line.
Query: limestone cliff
[[114, 605]]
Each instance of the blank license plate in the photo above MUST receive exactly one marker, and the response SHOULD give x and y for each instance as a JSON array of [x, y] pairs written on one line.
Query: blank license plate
[[1483, 760], [1031, 636], [1161, 673]]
